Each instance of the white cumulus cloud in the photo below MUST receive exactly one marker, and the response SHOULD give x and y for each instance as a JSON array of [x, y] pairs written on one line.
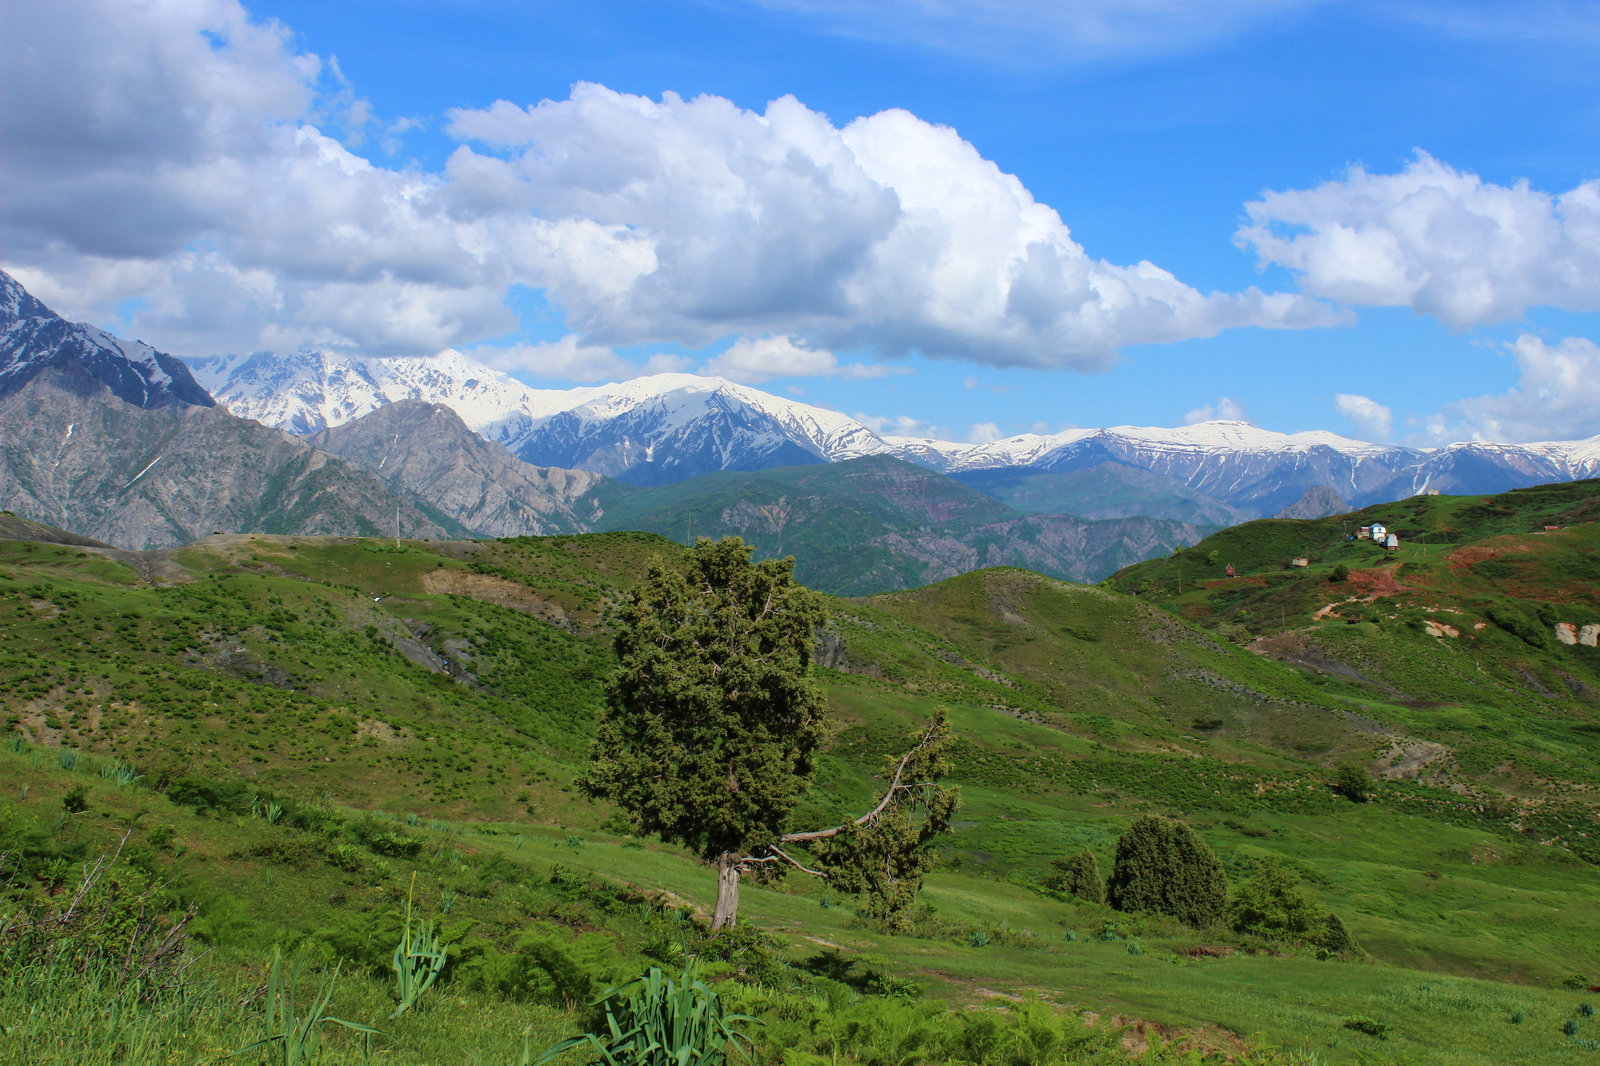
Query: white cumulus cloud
[[903, 426], [891, 233], [1441, 241], [1226, 408], [183, 155], [754, 360], [1371, 419], [567, 359], [1557, 397]]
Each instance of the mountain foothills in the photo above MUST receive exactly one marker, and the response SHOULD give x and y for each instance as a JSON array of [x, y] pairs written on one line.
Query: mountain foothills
[[299, 734], [120, 442]]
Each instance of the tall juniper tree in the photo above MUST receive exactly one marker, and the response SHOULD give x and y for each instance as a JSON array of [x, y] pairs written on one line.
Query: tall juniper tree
[[712, 727]]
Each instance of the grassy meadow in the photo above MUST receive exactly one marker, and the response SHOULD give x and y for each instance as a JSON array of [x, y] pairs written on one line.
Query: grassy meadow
[[293, 736]]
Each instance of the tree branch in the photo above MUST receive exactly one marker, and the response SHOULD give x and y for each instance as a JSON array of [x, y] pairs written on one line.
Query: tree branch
[[778, 853], [871, 816]]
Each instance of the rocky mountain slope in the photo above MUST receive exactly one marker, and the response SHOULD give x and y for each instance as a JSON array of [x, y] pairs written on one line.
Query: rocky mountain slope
[[140, 478], [426, 448], [858, 526], [876, 523], [1319, 502], [116, 441]]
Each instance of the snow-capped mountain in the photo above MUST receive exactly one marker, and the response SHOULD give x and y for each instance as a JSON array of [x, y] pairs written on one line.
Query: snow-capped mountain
[[649, 431], [34, 338], [669, 427], [307, 392]]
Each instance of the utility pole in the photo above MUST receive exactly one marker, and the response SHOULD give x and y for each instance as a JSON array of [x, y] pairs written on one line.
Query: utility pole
[[397, 526]]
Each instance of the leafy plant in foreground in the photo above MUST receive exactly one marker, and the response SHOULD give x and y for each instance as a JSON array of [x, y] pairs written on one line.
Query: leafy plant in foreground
[[418, 958], [291, 1037], [656, 1021]]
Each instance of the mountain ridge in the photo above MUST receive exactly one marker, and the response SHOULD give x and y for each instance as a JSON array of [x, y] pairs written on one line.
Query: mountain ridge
[[663, 428]]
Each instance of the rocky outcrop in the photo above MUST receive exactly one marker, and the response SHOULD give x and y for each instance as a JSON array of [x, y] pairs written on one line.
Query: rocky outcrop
[[427, 449], [1320, 501]]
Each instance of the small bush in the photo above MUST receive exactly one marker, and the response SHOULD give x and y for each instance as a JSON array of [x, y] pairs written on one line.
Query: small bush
[[1272, 904], [208, 796], [1164, 867], [76, 801], [1372, 1027], [1352, 782], [1340, 573], [1077, 875]]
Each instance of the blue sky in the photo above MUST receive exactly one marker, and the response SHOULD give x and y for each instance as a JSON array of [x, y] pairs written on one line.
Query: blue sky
[[1467, 306]]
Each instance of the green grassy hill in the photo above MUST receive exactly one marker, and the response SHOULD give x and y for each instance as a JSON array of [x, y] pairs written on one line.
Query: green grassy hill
[[876, 523], [416, 718]]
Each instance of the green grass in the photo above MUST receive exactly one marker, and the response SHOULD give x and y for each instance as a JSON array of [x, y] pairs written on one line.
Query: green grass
[[288, 664]]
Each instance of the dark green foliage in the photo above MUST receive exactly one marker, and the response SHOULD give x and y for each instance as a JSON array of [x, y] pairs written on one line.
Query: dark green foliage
[[712, 689], [1164, 867], [544, 965], [1519, 625], [76, 801], [884, 856], [1273, 905], [1077, 875], [1340, 573], [1371, 1026], [1352, 782], [1337, 939], [221, 796]]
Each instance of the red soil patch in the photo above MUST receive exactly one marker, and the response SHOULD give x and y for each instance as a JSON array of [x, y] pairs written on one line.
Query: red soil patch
[[1462, 558], [1233, 582], [1376, 583]]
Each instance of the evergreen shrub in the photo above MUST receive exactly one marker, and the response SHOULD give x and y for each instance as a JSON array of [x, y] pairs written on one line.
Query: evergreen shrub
[[1077, 875], [1164, 867]]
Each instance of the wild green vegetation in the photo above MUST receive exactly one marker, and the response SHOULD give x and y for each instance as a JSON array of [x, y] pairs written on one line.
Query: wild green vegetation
[[307, 748]]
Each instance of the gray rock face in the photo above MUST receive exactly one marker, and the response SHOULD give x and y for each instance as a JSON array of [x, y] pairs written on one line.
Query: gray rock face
[[34, 338], [1319, 502], [77, 456], [428, 449]]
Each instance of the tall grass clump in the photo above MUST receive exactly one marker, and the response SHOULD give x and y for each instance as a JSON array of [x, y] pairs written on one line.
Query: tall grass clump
[[658, 1021]]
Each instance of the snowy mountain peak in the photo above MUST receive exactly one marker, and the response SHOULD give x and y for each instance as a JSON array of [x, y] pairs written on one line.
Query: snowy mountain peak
[[667, 427], [34, 338]]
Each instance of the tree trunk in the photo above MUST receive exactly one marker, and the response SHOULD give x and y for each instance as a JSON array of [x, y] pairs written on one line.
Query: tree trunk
[[727, 910]]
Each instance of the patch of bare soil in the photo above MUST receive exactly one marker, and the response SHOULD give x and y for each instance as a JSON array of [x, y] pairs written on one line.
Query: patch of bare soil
[[486, 588], [1377, 582], [1462, 558], [1296, 650]]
